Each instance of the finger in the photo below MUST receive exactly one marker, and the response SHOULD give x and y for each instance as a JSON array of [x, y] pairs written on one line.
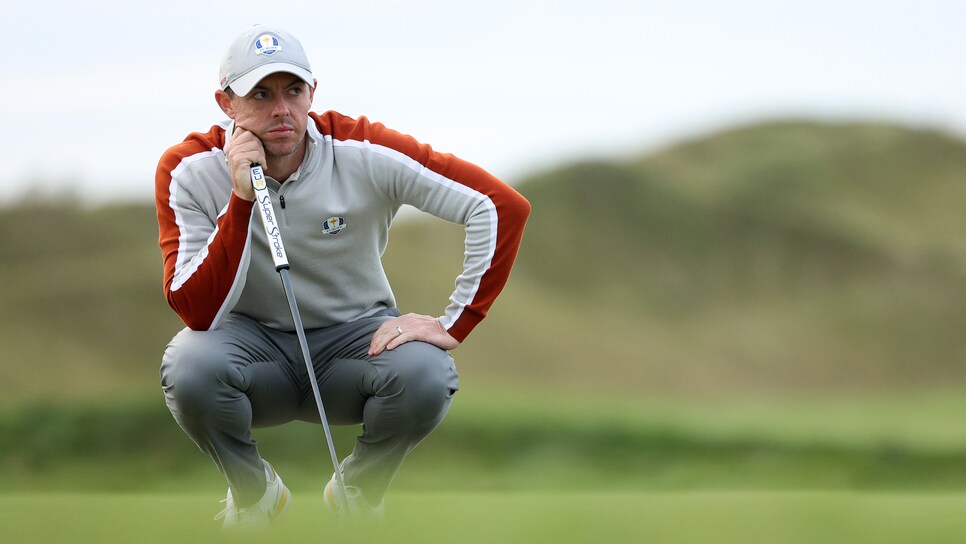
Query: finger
[[245, 143], [387, 337], [399, 340], [379, 340], [375, 346]]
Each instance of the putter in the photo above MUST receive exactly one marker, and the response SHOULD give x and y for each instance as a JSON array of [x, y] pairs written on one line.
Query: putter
[[274, 235]]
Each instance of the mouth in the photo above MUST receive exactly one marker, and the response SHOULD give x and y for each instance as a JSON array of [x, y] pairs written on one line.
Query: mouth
[[281, 131]]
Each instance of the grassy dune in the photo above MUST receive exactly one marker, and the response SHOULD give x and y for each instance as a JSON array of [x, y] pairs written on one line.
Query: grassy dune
[[788, 256]]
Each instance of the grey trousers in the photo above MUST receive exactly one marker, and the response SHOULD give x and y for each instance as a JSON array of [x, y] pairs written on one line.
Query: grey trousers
[[220, 384]]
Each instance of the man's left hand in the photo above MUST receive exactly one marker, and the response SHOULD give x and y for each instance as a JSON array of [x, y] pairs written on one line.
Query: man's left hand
[[411, 328]]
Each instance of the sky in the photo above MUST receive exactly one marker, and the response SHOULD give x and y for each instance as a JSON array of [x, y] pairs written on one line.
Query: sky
[[94, 92]]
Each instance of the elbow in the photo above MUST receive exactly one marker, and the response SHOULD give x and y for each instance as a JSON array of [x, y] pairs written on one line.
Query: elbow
[[196, 325], [189, 316], [525, 208], [519, 208]]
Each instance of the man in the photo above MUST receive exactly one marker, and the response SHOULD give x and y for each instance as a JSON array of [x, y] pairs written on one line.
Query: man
[[336, 184]]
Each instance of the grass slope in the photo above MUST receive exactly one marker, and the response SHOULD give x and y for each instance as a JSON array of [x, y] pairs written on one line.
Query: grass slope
[[781, 256], [82, 310]]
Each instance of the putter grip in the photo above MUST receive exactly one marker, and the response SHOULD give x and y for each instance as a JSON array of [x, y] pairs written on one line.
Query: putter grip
[[273, 234]]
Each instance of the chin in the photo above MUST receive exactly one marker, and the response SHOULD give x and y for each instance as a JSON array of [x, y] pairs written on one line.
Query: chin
[[282, 149]]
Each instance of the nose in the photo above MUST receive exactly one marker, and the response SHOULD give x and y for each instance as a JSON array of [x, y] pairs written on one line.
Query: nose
[[280, 107]]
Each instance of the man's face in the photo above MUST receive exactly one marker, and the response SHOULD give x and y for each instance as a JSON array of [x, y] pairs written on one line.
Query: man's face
[[276, 111]]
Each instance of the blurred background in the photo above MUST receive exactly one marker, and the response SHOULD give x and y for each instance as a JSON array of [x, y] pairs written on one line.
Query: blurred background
[[744, 271]]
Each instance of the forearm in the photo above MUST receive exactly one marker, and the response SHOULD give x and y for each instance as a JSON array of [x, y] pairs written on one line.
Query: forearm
[[493, 237], [200, 279], [493, 214]]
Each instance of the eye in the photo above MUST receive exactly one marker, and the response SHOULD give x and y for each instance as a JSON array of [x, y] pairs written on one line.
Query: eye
[[295, 91], [260, 95]]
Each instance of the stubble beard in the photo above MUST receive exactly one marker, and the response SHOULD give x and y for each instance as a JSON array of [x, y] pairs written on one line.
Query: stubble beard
[[283, 151]]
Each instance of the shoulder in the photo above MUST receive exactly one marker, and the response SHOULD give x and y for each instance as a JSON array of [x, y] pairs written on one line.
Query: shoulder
[[337, 126], [195, 146], [360, 132]]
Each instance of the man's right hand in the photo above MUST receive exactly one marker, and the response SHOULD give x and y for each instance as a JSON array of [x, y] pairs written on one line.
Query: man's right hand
[[244, 150]]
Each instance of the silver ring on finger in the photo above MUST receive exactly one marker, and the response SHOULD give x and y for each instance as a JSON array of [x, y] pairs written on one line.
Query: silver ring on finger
[[399, 330]]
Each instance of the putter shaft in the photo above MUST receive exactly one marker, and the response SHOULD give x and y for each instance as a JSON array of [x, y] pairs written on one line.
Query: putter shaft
[[274, 236]]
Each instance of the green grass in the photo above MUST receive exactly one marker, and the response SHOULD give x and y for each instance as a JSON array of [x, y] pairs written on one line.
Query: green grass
[[719, 517], [499, 441]]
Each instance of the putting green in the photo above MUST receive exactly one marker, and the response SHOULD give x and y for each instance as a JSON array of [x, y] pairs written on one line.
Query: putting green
[[719, 517]]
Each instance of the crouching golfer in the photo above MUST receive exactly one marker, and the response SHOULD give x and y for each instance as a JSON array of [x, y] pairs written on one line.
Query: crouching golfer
[[336, 183]]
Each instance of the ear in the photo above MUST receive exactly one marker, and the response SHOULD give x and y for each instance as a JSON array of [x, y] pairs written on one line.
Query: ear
[[224, 102], [315, 84]]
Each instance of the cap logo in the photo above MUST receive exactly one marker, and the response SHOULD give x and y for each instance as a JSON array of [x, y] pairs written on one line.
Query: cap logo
[[267, 44]]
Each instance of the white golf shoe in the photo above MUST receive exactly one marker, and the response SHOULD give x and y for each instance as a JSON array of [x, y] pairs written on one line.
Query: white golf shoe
[[268, 510], [359, 507]]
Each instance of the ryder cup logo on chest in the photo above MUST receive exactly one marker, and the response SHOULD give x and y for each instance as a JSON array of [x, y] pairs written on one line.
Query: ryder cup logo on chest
[[267, 44], [333, 225]]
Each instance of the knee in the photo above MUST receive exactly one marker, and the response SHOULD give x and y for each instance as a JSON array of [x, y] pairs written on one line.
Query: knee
[[428, 380], [192, 373]]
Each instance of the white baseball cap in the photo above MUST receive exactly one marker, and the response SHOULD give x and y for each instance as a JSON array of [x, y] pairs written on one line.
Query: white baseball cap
[[258, 52]]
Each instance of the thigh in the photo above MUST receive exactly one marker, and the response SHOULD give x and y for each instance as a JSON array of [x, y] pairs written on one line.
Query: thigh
[[412, 373], [340, 358]]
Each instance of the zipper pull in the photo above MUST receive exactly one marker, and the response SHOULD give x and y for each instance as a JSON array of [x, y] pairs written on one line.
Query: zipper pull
[[281, 201]]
